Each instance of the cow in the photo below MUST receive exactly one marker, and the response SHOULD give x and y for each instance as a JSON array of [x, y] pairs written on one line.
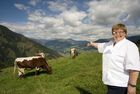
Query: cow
[[73, 53], [36, 62]]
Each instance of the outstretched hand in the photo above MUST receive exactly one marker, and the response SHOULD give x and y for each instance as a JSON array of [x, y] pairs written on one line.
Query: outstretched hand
[[94, 44], [89, 44]]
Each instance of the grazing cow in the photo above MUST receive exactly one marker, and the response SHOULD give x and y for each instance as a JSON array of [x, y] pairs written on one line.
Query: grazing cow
[[73, 53], [36, 62]]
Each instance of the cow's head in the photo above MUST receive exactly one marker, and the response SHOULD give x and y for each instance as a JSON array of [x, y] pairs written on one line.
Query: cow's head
[[73, 53], [49, 70], [41, 54]]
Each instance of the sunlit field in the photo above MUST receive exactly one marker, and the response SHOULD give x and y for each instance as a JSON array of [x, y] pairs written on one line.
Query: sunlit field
[[81, 75]]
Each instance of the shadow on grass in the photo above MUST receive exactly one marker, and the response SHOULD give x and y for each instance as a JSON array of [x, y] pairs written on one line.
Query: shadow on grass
[[82, 91], [29, 74]]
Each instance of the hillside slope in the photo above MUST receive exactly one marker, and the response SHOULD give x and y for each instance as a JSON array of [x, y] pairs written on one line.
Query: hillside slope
[[70, 76], [14, 45]]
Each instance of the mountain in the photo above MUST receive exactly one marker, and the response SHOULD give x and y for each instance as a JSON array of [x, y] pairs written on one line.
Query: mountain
[[64, 45], [135, 39], [14, 45]]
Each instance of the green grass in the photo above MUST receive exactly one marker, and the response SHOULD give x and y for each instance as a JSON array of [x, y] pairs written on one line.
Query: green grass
[[70, 76]]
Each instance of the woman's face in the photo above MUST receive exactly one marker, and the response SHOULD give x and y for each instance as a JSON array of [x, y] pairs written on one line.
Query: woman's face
[[118, 34]]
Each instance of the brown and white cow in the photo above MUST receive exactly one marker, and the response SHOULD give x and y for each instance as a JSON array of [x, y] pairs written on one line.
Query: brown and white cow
[[36, 62], [73, 53]]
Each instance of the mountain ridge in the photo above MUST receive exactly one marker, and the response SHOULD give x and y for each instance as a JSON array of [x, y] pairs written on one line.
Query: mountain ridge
[[14, 45], [64, 45]]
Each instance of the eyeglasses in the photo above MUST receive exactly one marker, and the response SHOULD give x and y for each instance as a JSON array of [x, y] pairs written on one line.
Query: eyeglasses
[[115, 33]]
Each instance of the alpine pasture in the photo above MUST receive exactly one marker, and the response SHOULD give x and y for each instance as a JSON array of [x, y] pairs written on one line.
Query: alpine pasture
[[82, 75]]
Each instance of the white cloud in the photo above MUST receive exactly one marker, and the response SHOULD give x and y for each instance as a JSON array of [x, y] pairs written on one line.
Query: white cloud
[[134, 12], [105, 12], [73, 17], [71, 22], [53, 21], [36, 16], [57, 6], [21, 6], [39, 17], [34, 2], [108, 12]]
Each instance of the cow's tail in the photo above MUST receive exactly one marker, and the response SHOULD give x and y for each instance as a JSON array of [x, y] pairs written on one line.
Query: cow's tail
[[15, 66]]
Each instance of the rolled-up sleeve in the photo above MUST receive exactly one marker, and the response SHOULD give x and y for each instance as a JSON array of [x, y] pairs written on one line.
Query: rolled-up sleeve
[[132, 60], [101, 47]]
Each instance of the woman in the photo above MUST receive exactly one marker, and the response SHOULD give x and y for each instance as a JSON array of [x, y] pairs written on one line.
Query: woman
[[121, 62]]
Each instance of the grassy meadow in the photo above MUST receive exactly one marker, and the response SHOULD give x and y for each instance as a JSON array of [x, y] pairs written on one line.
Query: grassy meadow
[[70, 76]]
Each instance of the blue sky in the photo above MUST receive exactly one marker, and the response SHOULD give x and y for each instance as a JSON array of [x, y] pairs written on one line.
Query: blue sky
[[9, 13], [76, 19]]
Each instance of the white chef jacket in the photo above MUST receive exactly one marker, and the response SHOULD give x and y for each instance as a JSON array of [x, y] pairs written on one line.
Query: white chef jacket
[[117, 60]]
